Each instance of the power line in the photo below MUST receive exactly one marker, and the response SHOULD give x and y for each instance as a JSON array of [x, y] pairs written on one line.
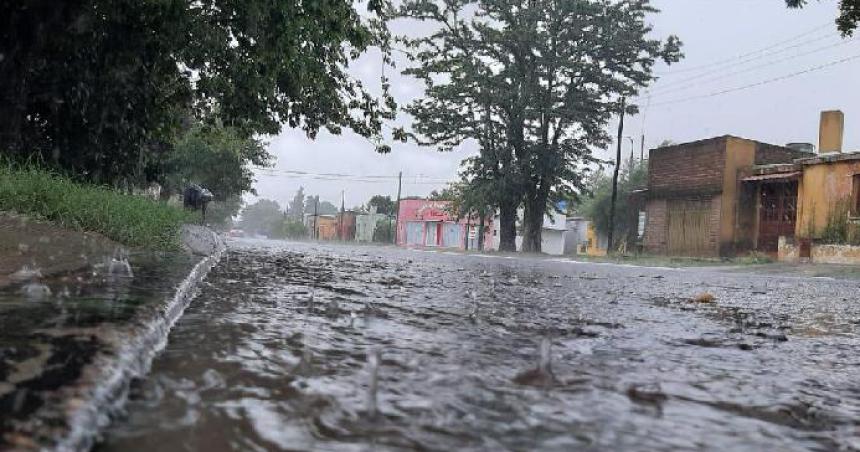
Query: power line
[[735, 59], [345, 175], [762, 82], [669, 89], [420, 181]]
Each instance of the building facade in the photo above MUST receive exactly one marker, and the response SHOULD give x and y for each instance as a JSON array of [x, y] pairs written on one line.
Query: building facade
[[424, 223], [727, 195], [365, 225], [697, 203]]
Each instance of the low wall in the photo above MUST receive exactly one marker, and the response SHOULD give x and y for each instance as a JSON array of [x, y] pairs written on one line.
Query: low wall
[[787, 250], [820, 254]]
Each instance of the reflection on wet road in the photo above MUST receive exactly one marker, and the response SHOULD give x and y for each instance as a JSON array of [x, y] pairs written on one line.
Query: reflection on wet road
[[273, 355]]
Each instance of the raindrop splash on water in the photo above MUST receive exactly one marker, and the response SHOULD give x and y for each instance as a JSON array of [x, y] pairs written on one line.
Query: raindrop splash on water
[[373, 358], [545, 362], [119, 266], [473, 315], [541, 375], [26, 273]]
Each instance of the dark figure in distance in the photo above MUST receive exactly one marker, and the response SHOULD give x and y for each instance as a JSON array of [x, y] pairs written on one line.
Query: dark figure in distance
[[196, 198]]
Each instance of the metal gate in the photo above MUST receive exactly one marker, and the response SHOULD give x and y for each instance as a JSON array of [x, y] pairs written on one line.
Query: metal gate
[[414, 233], [689, 227], [451, 235], [431, 236], [777, 214]]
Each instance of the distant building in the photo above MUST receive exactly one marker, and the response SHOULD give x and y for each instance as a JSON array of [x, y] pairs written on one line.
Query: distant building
[[321, 227], [346, 225], [428, 223], [556, 238], [365, 224], [576, 238]]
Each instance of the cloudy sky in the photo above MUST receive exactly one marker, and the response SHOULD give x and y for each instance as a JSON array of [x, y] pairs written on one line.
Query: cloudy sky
[[752, 68]]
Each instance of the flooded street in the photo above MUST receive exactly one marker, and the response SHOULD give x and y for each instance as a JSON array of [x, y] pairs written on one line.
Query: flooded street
[[273, 354]]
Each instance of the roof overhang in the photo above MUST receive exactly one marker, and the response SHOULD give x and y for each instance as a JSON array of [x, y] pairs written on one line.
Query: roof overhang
[[775, 177]]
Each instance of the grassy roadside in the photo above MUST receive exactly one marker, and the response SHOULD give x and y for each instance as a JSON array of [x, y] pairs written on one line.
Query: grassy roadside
[[127, 219], [675, 261]]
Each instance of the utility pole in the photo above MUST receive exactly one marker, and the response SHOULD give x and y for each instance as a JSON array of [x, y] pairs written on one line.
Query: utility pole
[[316, 232], [632, 152], [642, 148], [397, 207], [615, 178]]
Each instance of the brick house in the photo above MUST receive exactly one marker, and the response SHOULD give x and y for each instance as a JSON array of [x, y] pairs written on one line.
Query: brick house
[[697, 203]]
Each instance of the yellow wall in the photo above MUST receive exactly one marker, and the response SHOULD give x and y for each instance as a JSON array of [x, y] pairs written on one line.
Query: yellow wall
[[821, 187], [593, 247], [740, 153]]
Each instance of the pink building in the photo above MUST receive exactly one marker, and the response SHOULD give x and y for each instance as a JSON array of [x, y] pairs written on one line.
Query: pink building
[[428, 223]]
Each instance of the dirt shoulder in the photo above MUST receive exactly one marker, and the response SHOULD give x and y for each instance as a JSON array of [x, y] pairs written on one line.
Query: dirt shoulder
[[28, 245]]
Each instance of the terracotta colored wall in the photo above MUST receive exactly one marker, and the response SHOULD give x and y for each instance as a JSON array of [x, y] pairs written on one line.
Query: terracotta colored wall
[[326, 228], [655, 226], [687, 169], [821, 187]]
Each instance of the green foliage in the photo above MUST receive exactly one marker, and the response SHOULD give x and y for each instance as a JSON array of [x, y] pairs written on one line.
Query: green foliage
[[99, 88], [261, 217], [214, 157], [219, 214], [131, 220], [384, 204], [597, 206], [289, 229], [535, 83], [297, 206], [384, 231], [849, 14], [840, 230], [322, 207]]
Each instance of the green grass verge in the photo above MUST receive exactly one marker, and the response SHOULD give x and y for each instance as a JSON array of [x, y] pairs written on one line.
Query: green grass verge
[[678, 261], [130, 220]]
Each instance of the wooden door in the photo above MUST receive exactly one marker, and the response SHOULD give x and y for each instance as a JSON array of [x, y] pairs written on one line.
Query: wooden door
[[689, 227], [777, 214]]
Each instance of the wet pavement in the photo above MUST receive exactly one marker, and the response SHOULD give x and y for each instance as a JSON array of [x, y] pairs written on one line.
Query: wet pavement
[[273, 354]]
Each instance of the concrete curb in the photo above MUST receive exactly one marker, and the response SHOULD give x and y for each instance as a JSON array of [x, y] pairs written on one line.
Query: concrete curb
[[109, 376]]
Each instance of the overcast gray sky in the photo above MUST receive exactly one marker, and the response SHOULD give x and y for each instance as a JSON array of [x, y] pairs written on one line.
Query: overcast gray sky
[[729, 45]]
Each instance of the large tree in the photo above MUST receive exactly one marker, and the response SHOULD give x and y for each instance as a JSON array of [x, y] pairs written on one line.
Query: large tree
[[297, 205], [213, 156], [849, 14], [99, 87], [535, 82]]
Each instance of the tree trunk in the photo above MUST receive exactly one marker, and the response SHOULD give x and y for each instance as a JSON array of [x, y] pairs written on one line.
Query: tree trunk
[[481, 233], [508, 227], [533, 224]]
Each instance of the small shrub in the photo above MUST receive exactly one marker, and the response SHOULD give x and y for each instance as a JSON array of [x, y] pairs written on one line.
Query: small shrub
[[836, 229]]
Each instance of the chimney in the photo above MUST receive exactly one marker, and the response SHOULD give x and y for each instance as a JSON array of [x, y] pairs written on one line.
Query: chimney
[[830, 132]]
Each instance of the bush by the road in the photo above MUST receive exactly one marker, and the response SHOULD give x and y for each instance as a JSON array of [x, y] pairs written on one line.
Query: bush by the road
[[130, 220]]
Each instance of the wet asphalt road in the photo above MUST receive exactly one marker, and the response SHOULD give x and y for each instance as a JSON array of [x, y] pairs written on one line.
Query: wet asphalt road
[[272, 355]]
